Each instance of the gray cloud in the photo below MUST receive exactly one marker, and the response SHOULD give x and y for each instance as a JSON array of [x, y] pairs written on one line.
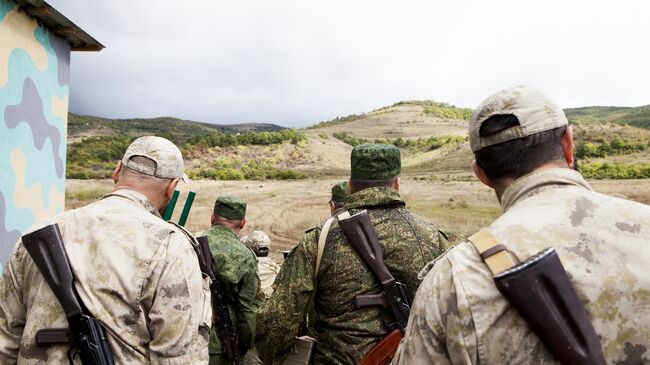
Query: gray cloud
[[295, 63]]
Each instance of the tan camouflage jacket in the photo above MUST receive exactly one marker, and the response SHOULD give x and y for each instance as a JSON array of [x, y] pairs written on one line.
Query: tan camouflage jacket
[[345, 334], [459, 317], [138, 275], [267, 270]]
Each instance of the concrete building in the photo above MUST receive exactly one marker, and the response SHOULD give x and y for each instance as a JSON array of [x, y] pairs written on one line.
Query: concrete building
[[35, 45]]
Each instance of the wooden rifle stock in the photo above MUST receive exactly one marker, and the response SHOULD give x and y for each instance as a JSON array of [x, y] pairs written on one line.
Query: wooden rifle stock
[[384, 351]]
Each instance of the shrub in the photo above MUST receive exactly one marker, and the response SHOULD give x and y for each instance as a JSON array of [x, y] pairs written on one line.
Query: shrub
[[615, 171], [229, 169], [601, 148]]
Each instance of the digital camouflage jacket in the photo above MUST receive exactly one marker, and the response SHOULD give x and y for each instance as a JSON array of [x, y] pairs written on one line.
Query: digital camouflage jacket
[[236, 266], [459, 316], [345, 334], [136, 273]]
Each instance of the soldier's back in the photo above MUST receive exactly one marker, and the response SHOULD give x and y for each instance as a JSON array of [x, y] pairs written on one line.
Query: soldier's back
[[136, 273], [602, 243], [409, 242]]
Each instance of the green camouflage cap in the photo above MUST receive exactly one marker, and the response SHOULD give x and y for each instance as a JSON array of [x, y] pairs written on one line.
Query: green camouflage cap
[[230, 207], [340, 192], [375, 161], [165, 154], [535, 111]]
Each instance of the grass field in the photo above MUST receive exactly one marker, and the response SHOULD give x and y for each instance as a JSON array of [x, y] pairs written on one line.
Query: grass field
[[284, 209]]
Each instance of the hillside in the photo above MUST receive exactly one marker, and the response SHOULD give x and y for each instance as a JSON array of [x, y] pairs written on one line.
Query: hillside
[[81, 126], [634, 116], [432, 136]]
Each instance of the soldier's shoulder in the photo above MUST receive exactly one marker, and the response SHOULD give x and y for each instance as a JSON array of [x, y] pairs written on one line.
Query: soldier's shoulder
[[180, 236], [235, 251]]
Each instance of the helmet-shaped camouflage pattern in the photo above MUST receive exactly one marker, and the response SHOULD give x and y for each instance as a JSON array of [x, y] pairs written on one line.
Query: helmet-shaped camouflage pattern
[[257, 241]]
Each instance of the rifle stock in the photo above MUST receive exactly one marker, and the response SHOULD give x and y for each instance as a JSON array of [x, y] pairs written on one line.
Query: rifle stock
[[45, 246], [541, 292], [226, 331], [384, 351]]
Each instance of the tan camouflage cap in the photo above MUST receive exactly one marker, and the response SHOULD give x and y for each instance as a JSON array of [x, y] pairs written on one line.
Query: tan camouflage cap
[[256, 240], [536, 113], [168, 158]]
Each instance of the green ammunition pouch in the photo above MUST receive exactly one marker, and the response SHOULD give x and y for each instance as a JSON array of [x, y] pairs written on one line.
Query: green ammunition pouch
[[541, 292]]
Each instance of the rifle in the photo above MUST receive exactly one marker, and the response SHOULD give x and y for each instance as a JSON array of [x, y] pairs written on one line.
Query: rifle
[[226, 330], [86, 334], [363, 237], [541, 292]]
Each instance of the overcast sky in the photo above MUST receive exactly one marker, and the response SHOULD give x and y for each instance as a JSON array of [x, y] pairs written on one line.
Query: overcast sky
[[295, 63]]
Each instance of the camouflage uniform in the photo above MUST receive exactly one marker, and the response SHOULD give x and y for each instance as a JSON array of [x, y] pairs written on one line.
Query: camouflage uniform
[[345, 334], [340, 194], [235, 265], [136, 273], [459, 316], [267, 269]]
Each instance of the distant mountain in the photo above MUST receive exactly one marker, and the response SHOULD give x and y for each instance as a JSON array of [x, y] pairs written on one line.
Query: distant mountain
[[634, 116], [81, 126]]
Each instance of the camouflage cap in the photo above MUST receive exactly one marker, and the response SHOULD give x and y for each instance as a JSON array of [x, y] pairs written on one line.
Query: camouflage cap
[[536, 113], [230, 207], [375, 161], [165, 154], [256, 240], [340, 192]]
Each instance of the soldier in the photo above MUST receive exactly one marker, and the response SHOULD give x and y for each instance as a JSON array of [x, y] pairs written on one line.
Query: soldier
[[345, 334], [340, 193], [137, 274], [523, 149], [236, 267], [267, 269]]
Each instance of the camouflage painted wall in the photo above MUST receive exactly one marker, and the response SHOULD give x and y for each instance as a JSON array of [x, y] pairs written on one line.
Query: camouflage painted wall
[[34, 67]]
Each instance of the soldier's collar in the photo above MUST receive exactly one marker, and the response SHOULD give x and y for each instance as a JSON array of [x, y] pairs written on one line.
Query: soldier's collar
[[219, 227], [378, 196], [525, 185], [138, 198]]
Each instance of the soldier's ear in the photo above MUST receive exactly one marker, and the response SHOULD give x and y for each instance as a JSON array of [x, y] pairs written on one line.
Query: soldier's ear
[[567, 146], [169, 191], [481, 175], [397, 183], [117, 172], [243, 223]]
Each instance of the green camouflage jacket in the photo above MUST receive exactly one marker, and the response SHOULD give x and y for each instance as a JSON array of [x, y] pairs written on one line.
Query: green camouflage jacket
[[236, 266], [459, 316], [344, 334]]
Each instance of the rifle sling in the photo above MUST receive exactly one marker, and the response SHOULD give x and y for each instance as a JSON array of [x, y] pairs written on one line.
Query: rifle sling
[[322, 238], [495, 255]]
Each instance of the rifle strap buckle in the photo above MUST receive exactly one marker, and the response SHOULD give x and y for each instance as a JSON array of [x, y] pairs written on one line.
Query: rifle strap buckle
[[495, 255]]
